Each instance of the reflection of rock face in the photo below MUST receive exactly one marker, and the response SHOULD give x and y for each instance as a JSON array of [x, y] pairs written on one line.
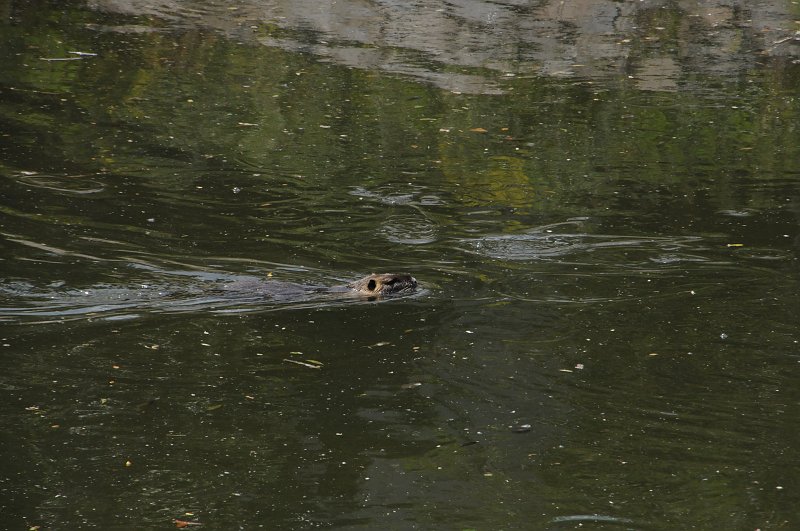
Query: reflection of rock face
[[427, 39]]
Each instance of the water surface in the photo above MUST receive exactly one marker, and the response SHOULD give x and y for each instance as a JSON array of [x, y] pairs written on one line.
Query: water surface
[[600, 201]]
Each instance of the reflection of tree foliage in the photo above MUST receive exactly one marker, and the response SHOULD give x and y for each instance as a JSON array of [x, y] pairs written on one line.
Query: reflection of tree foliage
[[168, 112]]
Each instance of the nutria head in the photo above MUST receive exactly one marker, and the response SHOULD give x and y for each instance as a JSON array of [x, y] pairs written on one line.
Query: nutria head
[[384, 283]]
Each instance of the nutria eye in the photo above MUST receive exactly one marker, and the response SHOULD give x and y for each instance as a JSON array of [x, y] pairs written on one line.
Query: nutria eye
[[371, 285], [391, 282]]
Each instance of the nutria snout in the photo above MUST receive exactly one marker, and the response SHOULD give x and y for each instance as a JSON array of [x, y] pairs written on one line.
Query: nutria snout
[[384, 283]]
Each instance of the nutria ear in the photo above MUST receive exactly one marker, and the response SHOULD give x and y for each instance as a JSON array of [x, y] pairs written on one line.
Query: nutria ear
[[371, 284]]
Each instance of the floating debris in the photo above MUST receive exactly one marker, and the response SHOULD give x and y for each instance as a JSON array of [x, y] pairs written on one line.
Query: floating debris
[[311, 365]]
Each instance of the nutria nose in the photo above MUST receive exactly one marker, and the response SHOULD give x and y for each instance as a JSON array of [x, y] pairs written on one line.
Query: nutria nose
[[385, 283]]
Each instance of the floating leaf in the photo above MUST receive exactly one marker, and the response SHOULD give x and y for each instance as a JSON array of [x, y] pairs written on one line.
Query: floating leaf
[[479, 130], [180, 524]]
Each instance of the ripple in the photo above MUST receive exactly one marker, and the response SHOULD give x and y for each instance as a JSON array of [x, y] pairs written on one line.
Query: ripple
[[391, 196], [745, 213], [387, 197], [595, 518], [543, 246], [72, 184], [411, 230]]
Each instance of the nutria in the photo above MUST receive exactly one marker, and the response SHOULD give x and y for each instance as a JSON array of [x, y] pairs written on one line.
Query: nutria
[[224, 293], [384, 284], [372, 286]]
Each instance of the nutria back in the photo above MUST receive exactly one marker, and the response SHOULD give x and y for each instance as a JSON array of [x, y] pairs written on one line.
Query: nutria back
[[384, 284]]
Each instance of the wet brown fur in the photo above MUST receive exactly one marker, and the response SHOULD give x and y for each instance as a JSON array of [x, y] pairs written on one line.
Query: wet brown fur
[[384, 283]]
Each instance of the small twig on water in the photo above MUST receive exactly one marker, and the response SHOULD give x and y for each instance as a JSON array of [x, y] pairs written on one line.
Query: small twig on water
[[304, 364]]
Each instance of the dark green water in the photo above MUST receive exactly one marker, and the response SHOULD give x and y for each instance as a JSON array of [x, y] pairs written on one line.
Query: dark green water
[[601, 203]]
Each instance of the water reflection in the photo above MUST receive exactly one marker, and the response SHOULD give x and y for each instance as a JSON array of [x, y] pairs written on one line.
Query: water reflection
[[474, 46], [600, 198]]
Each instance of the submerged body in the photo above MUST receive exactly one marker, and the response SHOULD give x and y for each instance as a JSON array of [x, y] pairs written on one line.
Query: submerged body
[[372, 286], [217, 294]]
